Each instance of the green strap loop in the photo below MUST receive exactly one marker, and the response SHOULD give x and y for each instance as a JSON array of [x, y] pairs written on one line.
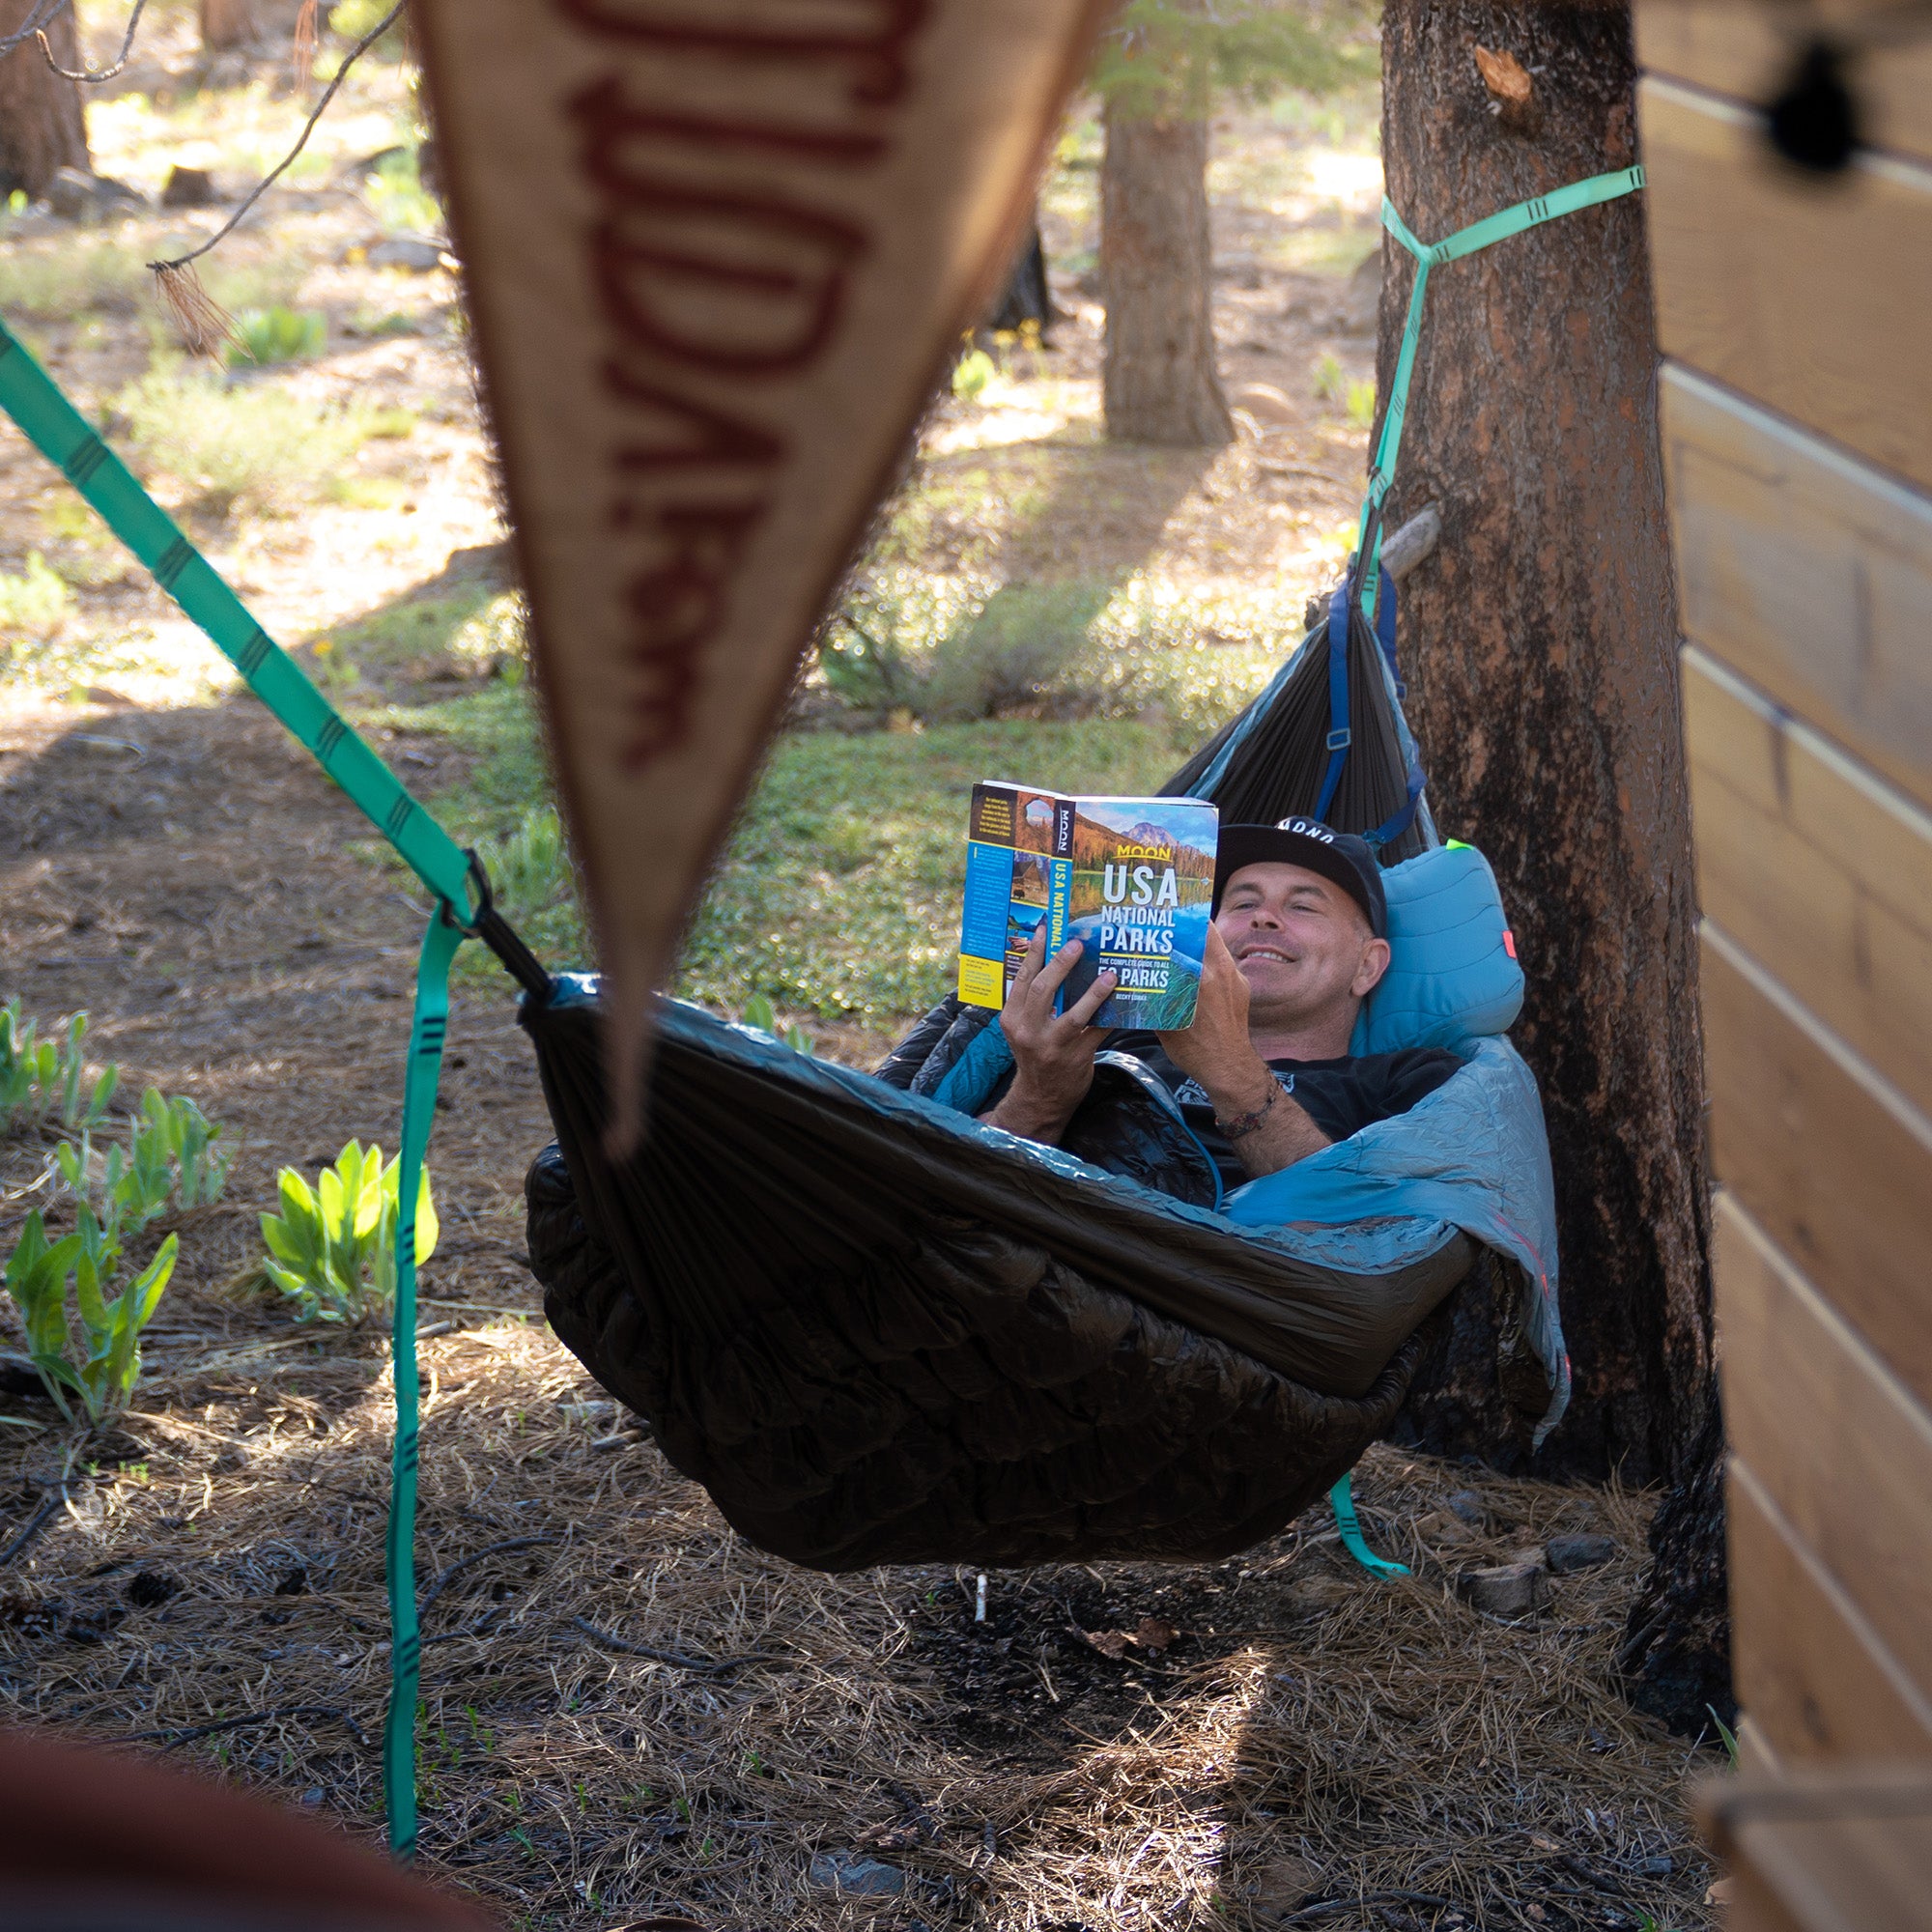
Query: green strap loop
[[426, 1037], [1342, 1501], [65, 439], [68, 441], [1479, 235]]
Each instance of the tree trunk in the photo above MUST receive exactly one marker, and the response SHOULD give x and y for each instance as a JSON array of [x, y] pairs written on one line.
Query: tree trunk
[[1540, 652], [1675, 1660], [42, 128], [226, 24], [1158, 378]]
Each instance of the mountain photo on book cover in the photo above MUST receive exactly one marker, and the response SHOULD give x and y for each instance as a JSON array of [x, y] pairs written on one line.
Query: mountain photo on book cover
[[1142, 885]]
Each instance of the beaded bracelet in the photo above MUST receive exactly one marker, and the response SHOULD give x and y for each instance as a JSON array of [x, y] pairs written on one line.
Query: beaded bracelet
[[1243, 1125]]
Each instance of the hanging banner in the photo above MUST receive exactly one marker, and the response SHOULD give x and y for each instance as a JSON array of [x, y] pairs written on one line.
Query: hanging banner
[[718, 253]]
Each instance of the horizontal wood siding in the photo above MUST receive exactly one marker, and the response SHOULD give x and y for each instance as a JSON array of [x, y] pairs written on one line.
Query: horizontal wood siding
[[1806, 570], [1748, 52], [1819, 871], [1828, 1158], [1810, 294], [1837, 1444], [1807, 1665]]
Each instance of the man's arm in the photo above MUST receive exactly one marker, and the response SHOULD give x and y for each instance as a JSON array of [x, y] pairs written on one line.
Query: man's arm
[[1241, 1086], [1053, 1053]]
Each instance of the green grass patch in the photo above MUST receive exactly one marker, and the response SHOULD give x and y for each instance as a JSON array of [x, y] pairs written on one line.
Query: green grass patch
[[58, 280]]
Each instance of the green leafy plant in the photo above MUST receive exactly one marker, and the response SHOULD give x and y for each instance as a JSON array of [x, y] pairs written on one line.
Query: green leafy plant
[[170, 1160], [1727, 1734], [101, 1370], [277, 335], [332, 1248], [44, 1078], [972, 374], [759, 1012]]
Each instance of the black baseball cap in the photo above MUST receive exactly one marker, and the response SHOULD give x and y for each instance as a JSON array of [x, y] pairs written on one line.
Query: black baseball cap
[[1341, 856]]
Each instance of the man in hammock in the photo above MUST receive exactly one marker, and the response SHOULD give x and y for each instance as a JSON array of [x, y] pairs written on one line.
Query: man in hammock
[[1263, 1076]]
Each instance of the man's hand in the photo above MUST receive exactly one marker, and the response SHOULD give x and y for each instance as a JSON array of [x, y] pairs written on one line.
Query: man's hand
[[1216, 1052], [1053, 1053]]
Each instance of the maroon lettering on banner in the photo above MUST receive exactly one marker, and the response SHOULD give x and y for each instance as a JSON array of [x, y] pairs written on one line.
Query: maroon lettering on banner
[[709, 257], [879, 56], [716, 438], [678, 604]]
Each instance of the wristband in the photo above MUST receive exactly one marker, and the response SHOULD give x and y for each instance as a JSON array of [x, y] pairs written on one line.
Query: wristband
[[1243, 1125]]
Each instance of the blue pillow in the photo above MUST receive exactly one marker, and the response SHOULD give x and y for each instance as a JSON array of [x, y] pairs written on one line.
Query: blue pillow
[[1453, 975]]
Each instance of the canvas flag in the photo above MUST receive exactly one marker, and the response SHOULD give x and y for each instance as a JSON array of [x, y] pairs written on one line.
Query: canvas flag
[[718, 253]]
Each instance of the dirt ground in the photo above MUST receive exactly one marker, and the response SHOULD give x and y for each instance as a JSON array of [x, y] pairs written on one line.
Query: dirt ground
[[1278, 1740]]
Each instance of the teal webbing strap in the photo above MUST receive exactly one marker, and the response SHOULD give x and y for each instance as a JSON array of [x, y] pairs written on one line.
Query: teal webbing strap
[[426, 1034], [68, 441], [1479, 235], [1342, 1501], [65, 439]]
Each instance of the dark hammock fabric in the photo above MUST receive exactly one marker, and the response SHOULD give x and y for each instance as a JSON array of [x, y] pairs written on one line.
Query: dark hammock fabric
[[878, 1332], [874, 1336]]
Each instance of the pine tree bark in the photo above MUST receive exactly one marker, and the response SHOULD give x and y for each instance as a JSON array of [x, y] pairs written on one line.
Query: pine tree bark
[[226, 24], [42, 128], [1158, 380], [1541, 653]]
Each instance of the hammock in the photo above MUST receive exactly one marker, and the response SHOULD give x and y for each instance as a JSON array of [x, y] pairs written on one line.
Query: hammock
[[878, 1331]]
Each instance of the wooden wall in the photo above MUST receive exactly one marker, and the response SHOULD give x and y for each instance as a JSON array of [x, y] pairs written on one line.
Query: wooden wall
[[1796, 318]]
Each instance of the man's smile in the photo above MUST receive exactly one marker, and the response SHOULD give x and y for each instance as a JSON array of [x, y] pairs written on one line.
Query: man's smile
[[1263, 949]]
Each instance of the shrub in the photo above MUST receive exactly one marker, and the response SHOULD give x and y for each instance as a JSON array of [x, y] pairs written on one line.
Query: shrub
[[397, 198], [234, 443], [103, 1364], [332, 1248], [170, 1161], [277, 335], [950, 648], [33, 605], [42, 1078]]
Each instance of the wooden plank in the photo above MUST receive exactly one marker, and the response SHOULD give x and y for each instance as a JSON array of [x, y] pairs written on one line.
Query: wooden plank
[[1747, 51], [1805, 570], [1836, 1850], [1811, 296], [1809, 1668], [1834, 1439], [1830, 1159], [1819, 871]]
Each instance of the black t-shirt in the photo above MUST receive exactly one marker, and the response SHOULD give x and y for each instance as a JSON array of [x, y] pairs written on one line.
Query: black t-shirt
[[1341, 1097]]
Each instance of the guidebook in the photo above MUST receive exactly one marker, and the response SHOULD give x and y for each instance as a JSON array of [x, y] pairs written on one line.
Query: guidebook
[[1132, 878]]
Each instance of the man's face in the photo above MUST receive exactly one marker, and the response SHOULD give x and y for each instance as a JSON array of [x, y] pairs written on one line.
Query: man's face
[[1302, 944]]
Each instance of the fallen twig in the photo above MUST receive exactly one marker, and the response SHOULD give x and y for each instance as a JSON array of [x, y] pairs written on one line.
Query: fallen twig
[[35, 1523], [712, 1667], [462, 1563], [175, 1738]]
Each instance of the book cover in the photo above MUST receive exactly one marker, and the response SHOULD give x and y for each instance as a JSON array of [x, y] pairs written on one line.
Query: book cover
[[1132, 878]]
